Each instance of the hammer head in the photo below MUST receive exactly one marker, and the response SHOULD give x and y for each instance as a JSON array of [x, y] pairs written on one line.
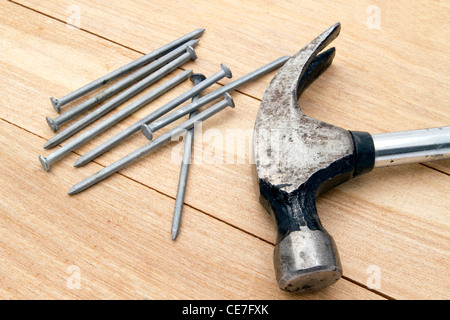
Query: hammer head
[[297, 158]]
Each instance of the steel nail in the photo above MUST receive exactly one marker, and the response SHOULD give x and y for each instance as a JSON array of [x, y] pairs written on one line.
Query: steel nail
[[223, 72], [148, 130], [58, 103], [105, 94], [196, 78], [122, 97], [103, 126], [151, 146], [99, 150]]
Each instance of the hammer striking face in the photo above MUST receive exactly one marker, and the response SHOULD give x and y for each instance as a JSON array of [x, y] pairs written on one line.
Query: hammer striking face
[[297, 158]]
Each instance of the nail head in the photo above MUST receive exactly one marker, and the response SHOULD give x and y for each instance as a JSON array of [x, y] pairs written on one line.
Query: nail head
[[197, 77], [227, 70], [52, 124], [229, 99], [44, 162], [147, 132], [191, 52], [55, 104]]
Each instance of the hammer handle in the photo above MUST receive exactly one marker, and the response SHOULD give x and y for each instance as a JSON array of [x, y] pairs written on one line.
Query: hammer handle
[[411, 146]]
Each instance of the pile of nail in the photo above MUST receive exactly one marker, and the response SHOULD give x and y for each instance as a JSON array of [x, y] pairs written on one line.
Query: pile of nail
[[137, 76]]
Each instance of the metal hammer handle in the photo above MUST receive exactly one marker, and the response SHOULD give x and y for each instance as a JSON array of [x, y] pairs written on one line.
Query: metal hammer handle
[[411, 146]]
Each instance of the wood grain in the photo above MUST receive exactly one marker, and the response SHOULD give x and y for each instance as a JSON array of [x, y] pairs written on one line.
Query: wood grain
[[400, 70], [380, 214], [122, 251]]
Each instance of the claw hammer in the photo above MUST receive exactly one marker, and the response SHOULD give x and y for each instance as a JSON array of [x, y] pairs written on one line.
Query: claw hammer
[[298, 158]]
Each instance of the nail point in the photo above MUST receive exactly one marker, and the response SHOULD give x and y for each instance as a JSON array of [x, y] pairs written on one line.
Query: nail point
[[79, 187], [79, 162], [49, 144], [175, 230], [194, 42], [72, 191]]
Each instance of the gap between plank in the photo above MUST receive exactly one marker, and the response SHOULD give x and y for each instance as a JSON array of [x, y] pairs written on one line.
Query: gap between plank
[[81, 29], [365, 287], [435, 169]]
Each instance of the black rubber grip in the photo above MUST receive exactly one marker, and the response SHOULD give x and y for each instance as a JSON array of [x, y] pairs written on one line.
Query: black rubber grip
[[364, 152]]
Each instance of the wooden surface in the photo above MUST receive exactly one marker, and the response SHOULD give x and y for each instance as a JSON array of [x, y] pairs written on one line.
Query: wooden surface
[[391, 226]]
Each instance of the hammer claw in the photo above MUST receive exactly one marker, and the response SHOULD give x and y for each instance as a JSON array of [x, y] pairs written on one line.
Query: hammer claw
[[305, 66], [315, 69]]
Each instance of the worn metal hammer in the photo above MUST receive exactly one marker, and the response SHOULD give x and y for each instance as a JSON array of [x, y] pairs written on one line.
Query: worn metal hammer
[[298, 158]]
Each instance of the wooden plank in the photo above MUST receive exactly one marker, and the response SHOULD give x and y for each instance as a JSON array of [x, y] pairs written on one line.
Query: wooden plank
[[213, 187], [120, 246], [382, 79]]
